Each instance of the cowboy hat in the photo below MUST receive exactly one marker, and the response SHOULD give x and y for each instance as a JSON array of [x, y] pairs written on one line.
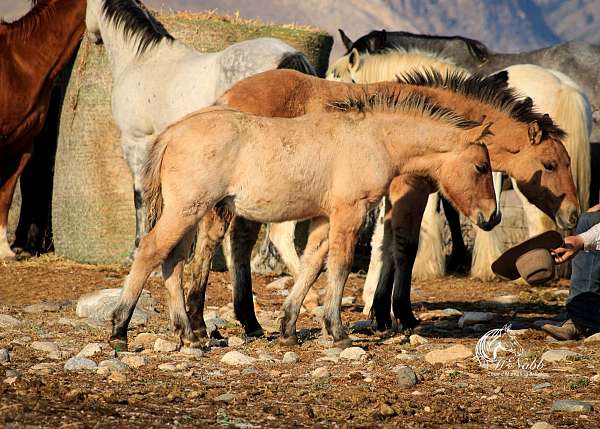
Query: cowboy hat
[[530, 259]]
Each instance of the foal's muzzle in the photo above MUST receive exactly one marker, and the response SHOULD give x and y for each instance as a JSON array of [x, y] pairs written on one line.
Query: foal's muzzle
[[490, 223]]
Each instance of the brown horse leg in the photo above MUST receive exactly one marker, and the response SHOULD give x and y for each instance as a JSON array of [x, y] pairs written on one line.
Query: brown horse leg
[[154, 249], [210, 234], [345, 225], [9, 174], [311, 263], [244, 234], [409, 199]]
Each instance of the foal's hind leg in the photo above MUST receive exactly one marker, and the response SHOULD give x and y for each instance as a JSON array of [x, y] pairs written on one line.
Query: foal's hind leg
[[154, 248], [173, 275], [210, 234], [282, 237], [345, 225], [244, 234], [310, 267]]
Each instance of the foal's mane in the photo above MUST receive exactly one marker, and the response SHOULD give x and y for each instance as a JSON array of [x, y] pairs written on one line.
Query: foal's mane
[[388, 100], [136, 22], [492, 90], [22, 28]]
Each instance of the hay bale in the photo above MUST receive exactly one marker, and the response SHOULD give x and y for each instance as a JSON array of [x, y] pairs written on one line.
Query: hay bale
[[93, 210]]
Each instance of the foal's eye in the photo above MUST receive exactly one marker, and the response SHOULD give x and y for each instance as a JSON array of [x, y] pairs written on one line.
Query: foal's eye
[[482, 168], [549, 166]]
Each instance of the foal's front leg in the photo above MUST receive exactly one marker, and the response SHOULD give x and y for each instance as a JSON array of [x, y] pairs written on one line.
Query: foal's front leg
[[311, 264], [345, 225], [409, 199]]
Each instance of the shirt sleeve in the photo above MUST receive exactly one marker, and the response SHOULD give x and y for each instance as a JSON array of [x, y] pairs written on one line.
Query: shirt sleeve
[[591, 238]]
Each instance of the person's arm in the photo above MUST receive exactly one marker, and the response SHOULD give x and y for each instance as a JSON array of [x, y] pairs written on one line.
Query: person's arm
[[591, 238]]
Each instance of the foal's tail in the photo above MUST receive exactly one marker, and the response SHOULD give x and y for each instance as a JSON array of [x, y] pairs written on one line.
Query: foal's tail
[[297, 61], [153, 200]]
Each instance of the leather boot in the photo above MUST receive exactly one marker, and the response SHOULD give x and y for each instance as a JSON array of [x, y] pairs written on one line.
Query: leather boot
[[568, 331]]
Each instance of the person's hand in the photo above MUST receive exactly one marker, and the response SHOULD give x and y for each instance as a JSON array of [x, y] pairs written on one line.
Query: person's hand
[[570, 247], [595, 208]]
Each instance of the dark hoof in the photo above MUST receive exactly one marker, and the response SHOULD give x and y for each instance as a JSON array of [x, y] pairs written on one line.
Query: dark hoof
[[118, 344], [292, 340], [256, 333], [216, 335], [192, 343], [342, 343], [408, 323]]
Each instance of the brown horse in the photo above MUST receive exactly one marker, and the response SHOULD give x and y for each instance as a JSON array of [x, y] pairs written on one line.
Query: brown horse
[[34, 50], [523, 143], [307, 170]]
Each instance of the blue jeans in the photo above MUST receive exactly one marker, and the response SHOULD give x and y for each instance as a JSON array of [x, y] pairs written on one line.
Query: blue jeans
[[585, 276]]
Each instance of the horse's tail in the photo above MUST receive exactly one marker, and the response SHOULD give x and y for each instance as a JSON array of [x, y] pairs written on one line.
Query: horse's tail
[[297, 61], [153, 200], [573, 114]]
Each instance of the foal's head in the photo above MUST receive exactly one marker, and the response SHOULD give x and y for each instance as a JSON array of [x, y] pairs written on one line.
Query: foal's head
[[465, 178]]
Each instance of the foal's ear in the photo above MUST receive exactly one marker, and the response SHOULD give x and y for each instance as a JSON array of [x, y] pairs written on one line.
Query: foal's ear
[[345, 40], [354, 61], [479, 132], [535, 133]]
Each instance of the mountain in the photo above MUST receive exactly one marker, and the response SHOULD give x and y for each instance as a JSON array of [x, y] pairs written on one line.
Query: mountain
[[504, 25]]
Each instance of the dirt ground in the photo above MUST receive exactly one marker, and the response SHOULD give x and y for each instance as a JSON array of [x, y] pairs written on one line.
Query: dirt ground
[[361, 393]]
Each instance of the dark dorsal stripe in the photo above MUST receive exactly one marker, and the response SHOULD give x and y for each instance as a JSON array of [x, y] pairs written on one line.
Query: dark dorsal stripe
[[492, 90], [136, 22], [390, 100]]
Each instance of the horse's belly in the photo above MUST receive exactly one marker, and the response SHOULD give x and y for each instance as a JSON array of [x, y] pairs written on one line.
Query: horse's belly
[[266, 210]]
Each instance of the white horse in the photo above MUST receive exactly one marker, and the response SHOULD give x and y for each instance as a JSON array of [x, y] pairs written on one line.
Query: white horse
[[158, 79]]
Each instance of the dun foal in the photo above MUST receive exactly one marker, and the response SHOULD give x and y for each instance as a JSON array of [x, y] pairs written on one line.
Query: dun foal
[[307, 170]]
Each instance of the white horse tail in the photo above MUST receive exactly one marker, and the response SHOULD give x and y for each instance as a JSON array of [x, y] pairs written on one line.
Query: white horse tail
[[297, 61], [153, 200], [430, 262], [573, 114]]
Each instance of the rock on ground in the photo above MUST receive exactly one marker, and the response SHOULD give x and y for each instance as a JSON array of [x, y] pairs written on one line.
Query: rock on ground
[[7, 321], [191, 352], [90, 350], [4, 355], [558, 355], [99, 305], [474, 317], [320, 372], [234, 341], [237, 358], [593, 338], [405, 376], [417, 340], [79, 363], [44, 346], [353, 353], [451, 354], [165, 346], [290, 357], [542, 425], [113, 365], [145, 340], [571, 406], [225, 397], [134, 361]]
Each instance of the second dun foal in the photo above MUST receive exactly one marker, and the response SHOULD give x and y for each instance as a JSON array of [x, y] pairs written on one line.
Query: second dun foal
[[279, 169]]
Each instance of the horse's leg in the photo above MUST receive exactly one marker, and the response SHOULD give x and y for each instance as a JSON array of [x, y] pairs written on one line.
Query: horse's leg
[[9, 174], [345, 225], [380, 259], [282, 237], [154, 249], [311, 264], [172, 270], [459, 258], [210, 234], [267, 260], [409, 198], [136, 151], [244, 234]]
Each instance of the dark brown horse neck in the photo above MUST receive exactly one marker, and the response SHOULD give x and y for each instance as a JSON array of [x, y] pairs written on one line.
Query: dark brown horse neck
[[34, 50]]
